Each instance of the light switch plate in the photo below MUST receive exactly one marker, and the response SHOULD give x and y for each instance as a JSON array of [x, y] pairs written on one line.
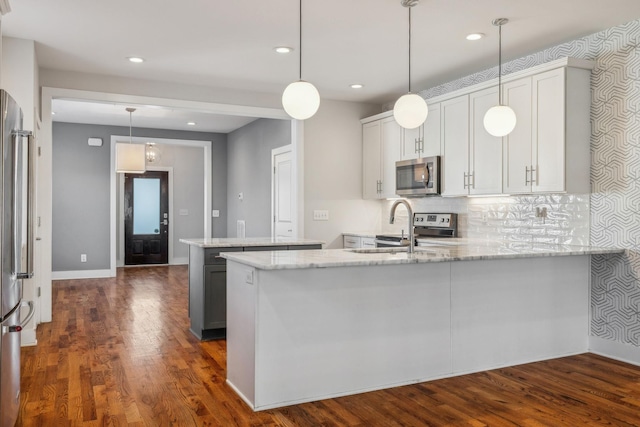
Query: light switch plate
[[321, 215], [215, 213]]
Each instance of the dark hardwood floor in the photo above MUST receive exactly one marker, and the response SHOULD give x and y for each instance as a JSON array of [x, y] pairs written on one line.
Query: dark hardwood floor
[[119, 353]]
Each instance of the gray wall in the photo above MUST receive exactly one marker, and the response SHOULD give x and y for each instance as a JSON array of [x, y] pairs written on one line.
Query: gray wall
[[249, 171], [81, 179]]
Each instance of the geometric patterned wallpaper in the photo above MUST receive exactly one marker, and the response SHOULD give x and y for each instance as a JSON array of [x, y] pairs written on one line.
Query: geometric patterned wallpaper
[[615, 169]]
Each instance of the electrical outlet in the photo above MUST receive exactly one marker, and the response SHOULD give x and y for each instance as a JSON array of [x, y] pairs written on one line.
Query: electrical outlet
[[83, 257], [240, 196], [249, 278], [321, 215], [215, 213], [183, 212]]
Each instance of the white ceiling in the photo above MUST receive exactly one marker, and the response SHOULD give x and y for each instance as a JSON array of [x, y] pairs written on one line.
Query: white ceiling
[[229, 44]]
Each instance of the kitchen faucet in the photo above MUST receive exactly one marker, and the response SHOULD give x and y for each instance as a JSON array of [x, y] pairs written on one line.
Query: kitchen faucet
[[392, 218]]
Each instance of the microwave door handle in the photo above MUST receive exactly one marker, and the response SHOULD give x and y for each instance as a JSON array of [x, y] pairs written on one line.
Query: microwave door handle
[[23, 271], [426, 176]]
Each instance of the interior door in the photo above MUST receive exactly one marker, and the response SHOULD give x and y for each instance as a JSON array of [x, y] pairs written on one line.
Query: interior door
[[146, 218], [283, 194]]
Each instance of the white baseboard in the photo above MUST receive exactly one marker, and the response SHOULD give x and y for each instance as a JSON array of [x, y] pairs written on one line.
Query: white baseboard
[[615, 350], [180, 261], [28, 338], [81, 274]]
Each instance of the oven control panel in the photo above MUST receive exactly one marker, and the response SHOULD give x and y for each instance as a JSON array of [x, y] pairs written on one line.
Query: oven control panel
[[434, 220]]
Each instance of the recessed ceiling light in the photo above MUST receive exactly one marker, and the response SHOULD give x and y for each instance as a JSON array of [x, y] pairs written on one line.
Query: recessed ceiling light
[[191, 123], [283, 49], [135, 59], [475, 36], [356, 86]]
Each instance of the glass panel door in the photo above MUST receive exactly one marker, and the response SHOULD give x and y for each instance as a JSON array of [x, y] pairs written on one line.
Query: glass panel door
[[146, 206]]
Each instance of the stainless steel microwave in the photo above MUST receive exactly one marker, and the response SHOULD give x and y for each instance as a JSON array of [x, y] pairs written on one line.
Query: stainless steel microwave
[[418, 177]]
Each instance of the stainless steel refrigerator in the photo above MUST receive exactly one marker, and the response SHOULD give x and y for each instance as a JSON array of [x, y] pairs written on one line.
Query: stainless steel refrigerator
[[16, 248]]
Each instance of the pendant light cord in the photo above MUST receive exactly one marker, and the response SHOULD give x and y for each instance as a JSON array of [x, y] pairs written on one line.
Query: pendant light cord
[[500, 64], [300, 39], [409, 49]]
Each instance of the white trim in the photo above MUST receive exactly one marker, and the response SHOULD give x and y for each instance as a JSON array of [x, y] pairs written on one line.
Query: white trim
[[297, 146], [615, 350], [275, 152], [45, 208], [116, 222], [80, 274], [28, 338], [180, 261]]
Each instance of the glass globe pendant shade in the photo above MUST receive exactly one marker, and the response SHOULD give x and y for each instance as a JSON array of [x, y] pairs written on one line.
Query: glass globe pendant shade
[[500, 120], [301, 100], [410, 111]]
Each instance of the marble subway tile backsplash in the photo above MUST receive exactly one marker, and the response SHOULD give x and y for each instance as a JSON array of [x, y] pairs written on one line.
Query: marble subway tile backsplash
[[515, 218], [522, 218]]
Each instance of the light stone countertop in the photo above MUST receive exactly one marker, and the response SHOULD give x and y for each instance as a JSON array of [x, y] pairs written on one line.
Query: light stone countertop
[[211, 242], [381, 256]]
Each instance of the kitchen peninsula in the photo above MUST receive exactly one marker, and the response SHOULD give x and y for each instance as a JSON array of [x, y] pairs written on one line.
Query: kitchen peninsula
[[311, 325], [207, 277]]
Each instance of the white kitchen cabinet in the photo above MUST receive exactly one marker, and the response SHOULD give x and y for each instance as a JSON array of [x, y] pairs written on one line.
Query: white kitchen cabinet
[[424, 141], [455, 145], [549, 148], [350, 241], [485, 150], [472, 158], [381, 142]]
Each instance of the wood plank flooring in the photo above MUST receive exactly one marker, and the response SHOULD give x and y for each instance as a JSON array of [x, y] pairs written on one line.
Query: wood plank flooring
[[119, 353]]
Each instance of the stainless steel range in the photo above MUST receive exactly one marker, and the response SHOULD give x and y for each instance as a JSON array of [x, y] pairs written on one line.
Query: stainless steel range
[[427, 227]]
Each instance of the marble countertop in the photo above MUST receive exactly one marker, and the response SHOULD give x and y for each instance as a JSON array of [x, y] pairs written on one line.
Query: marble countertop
[[211, 242], [382, 256]]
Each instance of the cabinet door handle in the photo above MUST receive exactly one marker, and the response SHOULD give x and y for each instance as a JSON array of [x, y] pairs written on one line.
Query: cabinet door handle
[[422, 144], [416, 145], [534, 181], [526, 175], [464, 179], [473, 183]]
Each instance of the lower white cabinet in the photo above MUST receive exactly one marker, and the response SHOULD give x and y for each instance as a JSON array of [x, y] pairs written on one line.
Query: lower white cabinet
[[354, 242]]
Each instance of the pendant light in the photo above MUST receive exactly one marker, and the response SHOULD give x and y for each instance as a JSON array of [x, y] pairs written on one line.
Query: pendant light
[[152, 153], [410, 110], [300, 99], [130, 157], [500, 120]]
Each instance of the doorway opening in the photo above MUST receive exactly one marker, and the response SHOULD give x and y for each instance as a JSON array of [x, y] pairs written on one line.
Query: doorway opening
[[146, 218]]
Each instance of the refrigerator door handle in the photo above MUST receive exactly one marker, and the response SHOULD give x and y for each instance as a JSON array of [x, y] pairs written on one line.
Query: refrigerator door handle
[[28, 268], [18, 328]]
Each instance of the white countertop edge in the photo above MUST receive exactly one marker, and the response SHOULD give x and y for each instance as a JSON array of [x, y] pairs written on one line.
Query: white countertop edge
[[253, 259]]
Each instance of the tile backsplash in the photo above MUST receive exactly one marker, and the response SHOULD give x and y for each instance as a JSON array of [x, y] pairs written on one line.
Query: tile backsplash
[[546, 218]]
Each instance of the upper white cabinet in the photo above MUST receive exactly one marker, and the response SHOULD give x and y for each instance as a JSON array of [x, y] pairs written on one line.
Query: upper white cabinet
[[472, 158], [548, 151], [455, 144], [381, 143], [485, 162], [425, 140]]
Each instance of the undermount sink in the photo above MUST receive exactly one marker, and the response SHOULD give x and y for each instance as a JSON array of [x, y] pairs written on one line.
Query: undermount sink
[[401, 249]]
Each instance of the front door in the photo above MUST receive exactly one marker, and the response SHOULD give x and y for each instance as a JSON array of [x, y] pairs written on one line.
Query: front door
[[146, 218]]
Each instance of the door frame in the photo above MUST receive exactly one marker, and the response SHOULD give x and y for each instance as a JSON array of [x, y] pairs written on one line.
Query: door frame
[[295, 214], [120, 220], [117, 218], [45, 205]]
